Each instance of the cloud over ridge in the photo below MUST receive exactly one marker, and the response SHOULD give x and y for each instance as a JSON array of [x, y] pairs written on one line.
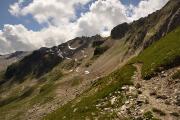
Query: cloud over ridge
[[63, 23]]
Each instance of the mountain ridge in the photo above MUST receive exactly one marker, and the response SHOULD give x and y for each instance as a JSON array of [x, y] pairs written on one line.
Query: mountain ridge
[[100, 78]]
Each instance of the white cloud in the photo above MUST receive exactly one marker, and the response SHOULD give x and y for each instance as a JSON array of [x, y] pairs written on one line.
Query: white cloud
[[15, 9], [17, 37], [49, 11], [102, 16], [146, 7]]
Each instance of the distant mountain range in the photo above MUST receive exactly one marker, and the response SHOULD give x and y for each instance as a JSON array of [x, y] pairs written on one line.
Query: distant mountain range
[[6, 60]]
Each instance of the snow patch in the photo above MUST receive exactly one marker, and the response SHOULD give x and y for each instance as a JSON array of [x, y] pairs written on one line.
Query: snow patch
[[71, 47], [68, 58]]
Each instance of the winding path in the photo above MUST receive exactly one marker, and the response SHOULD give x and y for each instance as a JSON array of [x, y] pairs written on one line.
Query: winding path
[[157, 84]]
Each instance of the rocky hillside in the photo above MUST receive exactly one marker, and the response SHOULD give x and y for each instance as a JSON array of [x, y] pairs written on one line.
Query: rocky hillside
[[142, 33], [124, 76], [44, 60], [124, 94]]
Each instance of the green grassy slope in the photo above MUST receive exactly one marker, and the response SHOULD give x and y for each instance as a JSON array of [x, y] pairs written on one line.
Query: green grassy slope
[[162, 54], [83, 106], [19, 99]]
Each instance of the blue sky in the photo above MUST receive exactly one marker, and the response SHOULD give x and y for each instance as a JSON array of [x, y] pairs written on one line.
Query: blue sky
[[127, 2], [29, 22], [7, 18]]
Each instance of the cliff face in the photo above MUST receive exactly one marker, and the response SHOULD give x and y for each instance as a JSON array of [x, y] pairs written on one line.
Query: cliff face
[[120, 30], [143, 32]]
